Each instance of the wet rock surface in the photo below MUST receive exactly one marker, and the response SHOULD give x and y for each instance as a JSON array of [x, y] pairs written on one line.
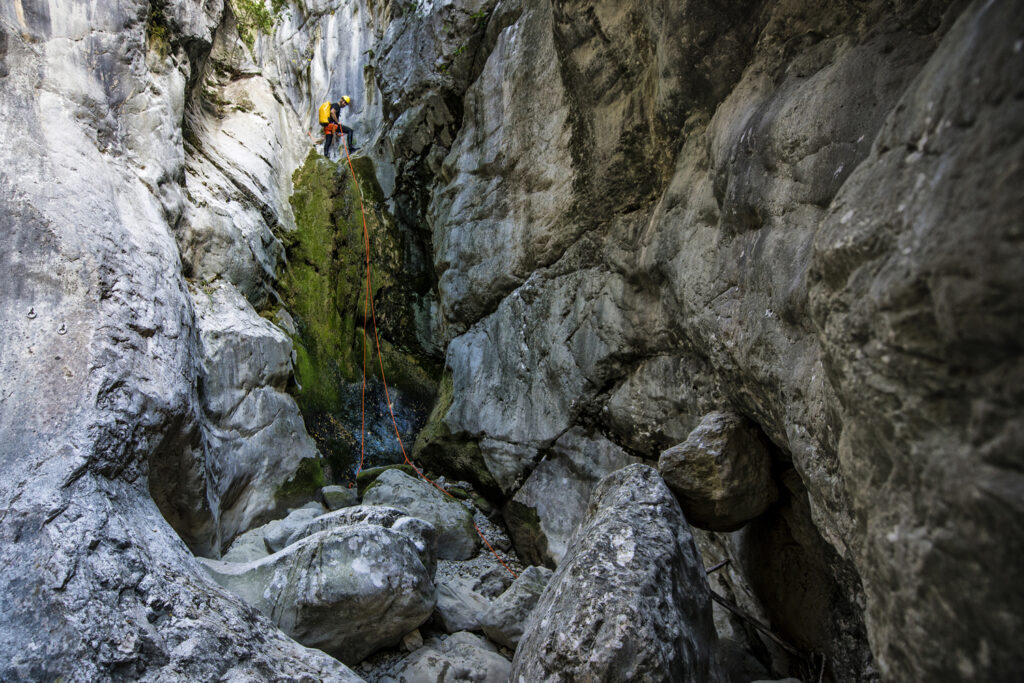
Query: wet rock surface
[[629, 600]]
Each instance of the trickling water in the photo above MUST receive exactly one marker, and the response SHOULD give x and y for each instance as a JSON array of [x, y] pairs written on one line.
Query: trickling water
[[337, 434]]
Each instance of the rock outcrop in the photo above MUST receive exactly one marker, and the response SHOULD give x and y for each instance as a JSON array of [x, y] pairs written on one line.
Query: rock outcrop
[[609, 218], [101, 361], [722, 473], [804, 215], [630, 601]]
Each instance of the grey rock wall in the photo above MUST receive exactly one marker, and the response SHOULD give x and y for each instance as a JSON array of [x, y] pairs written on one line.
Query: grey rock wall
[[804, 214], [101, 359]]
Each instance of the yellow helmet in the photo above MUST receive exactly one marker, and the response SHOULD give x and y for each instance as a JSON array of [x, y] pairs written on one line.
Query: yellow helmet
[[346, 99]]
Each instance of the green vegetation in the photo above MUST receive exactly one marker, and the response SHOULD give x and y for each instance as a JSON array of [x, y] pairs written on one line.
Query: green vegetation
[[308, 479], [255, 17], [157, 35], [323, 286]]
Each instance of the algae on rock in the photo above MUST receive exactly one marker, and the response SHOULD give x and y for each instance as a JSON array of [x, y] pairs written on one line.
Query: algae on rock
[[439, 449], [323, 285]]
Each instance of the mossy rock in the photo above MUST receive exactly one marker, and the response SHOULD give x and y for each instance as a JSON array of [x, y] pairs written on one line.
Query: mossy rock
[[323, 285], [454, 457], [304, 484], [365, 479], [458, 492]]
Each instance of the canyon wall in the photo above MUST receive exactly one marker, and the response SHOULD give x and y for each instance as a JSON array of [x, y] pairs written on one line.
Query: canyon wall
[[808, 215], [607, 219]]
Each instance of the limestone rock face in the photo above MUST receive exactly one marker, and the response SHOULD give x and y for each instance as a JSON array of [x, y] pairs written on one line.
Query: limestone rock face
[[508, 615], [546, 510], [253, 431], [645, 615], [803, 215], [100, 360], [456, 537], [459, 658], [721, 473], [347, 591]]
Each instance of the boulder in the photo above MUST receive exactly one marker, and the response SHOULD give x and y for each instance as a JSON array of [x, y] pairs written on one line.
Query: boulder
[[630, 600], [347, 591], [247, 547], [545, 512], [722, 473], [369, 475], [421, 533], [457, 658], [338, 497], [456, 537], [459, 606], [504, 621], [276, 533]]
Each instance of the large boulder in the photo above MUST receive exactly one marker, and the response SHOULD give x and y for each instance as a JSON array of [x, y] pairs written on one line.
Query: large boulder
[[544, 513], [722, 473], [459, 658], [505, 620], [630, 600], [347, 591], [459, 606], [421, 533], [456, 536], [277, 532]]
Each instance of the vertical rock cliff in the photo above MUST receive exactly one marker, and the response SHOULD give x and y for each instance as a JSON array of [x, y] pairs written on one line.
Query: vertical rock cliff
[[596, 226], [805, 215]]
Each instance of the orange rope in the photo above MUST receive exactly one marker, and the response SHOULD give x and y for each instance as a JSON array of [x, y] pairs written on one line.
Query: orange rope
[[380, 358]]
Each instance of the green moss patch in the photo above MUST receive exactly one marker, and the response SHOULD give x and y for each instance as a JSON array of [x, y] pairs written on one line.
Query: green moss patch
[[366, 478], [456, 457], [302, 487], [323, 286]]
